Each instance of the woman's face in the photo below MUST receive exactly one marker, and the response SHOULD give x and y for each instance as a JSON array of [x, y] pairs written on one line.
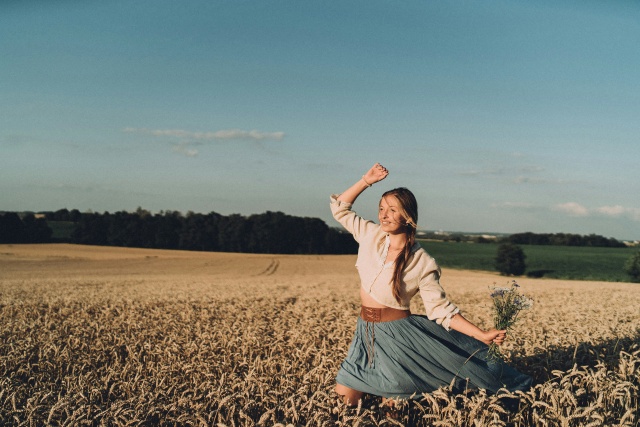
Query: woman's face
[[389, 215]]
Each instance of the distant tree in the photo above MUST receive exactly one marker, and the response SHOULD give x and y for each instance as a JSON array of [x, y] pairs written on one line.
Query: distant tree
[[36, 229], [482, 239], [529, 238], [59, 215], [75, 215], [12, 229], [563, 239], [122, 230], [92, 229], [142, 213], [200, 232], [271, 233], [315, 230], [510, 260], [169, 225], [338, 242], [456, 237], [632, 267], [63, 215], [233, 233]]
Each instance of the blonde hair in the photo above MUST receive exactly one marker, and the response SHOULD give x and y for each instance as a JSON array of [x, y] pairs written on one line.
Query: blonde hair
[[408, 207]]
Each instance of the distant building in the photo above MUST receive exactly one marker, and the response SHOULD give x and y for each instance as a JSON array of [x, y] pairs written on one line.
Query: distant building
[[489, 236]]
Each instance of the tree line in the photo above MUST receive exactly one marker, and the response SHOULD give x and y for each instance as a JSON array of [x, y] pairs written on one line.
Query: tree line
[[562, 239], [270, 232], [28, 229], [529, 238]]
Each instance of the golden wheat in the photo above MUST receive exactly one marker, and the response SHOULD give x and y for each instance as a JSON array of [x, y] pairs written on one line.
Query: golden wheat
[[106, 336]]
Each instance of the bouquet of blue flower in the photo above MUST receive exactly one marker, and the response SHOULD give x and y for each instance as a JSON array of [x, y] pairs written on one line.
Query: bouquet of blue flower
[[507, 304]]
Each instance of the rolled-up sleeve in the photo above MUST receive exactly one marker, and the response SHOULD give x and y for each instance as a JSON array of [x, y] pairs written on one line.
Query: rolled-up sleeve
[[434, 298], [354, 224]]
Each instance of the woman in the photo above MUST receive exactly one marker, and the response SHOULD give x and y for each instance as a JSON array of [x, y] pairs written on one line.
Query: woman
[[395, 354]]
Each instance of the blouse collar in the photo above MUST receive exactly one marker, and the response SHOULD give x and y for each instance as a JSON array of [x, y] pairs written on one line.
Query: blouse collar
[[385, 251]]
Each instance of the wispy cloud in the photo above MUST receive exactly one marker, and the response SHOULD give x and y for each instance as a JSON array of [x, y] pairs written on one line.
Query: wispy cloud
[[571, 209], [512, 205], [619, 211], [613, 211], [189, 139], [531, 169], [483, 172], [184, 148], [519, 175], [516, 174], [209, 136], [577, 210]]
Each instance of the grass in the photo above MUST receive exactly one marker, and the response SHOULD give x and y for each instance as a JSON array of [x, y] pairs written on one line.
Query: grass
[[558, 262]]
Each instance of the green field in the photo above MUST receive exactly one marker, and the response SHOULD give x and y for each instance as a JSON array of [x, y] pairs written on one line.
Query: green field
[[560, 262]]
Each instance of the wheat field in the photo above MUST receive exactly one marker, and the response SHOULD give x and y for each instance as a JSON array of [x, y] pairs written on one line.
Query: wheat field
[[114, 336]]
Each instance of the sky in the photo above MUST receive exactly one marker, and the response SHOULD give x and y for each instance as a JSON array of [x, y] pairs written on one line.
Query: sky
[[500, 116]]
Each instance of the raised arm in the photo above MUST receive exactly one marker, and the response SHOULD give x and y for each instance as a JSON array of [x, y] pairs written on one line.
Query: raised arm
[[375, 174]]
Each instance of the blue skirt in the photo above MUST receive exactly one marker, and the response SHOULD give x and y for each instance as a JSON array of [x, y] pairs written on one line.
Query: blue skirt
[[415, 355]]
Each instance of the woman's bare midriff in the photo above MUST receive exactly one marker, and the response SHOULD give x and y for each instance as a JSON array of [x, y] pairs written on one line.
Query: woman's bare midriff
[[368, 301]]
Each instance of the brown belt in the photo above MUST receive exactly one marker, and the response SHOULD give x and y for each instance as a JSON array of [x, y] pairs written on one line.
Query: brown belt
[[387, 314], [372, 316]]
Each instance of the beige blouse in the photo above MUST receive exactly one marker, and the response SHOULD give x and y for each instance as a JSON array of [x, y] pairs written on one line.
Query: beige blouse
[[421, 273]]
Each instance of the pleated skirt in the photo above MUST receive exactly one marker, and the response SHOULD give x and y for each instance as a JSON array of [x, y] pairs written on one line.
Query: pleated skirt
[[407, 357]]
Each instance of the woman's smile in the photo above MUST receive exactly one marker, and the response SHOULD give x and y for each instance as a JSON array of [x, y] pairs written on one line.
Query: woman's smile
[[389, 216]]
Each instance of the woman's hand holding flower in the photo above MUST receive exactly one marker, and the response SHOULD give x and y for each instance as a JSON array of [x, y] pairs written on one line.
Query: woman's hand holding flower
[[494, 336]]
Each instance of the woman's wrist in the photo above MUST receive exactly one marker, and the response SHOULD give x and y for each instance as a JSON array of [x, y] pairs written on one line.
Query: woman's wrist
[[365, 181]]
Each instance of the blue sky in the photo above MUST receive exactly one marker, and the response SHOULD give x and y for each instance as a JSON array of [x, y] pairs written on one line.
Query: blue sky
[[502, 116]]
